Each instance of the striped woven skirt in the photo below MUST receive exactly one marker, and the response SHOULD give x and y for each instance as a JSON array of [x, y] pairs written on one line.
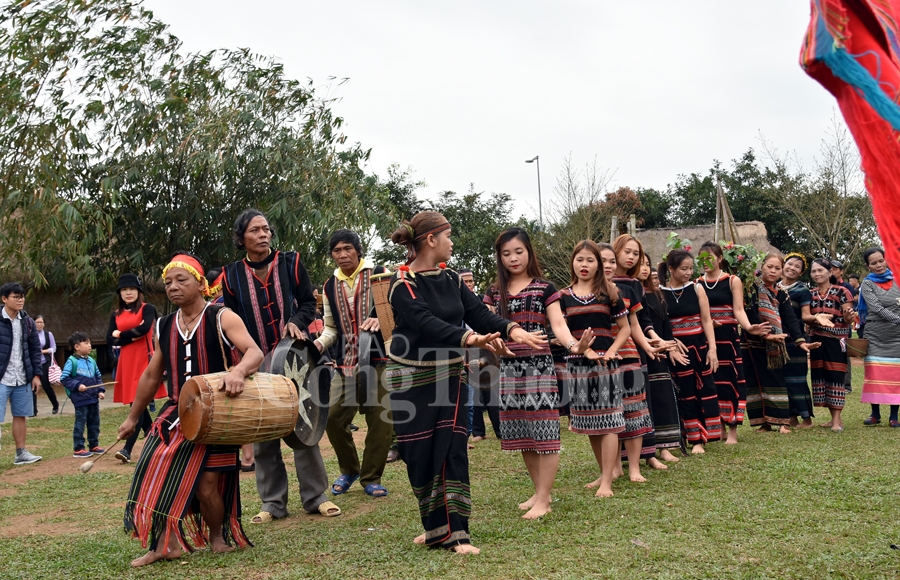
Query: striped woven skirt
[[663, 405], [431, 424], [634, 397], [596, 407], [828, 368], [162, 502], [529, 404], [698, 402], [562, 384], [767, 393], [881, 385], [731, 386], [795, 377]]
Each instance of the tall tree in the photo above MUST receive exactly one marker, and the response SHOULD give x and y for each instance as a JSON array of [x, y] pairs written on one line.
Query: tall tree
[[156, 150]]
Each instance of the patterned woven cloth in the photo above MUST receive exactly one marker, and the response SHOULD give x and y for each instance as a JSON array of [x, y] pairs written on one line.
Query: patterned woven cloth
[[852, 49]]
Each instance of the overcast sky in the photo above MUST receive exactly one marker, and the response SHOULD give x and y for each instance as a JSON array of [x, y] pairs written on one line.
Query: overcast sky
[[464, 91]]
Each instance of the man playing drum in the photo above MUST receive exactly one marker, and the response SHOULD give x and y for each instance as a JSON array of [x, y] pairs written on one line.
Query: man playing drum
[[271, 292], [180, 487], [358, 382]]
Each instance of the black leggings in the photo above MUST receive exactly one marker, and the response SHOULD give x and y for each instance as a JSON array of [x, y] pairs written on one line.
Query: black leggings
[[146, 422], [876, 412], [48, 388]]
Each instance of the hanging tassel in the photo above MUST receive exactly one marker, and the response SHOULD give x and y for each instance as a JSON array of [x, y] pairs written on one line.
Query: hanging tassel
[[403, 270]]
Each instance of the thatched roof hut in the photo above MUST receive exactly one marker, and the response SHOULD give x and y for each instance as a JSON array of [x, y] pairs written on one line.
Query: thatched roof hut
[[750, 233]]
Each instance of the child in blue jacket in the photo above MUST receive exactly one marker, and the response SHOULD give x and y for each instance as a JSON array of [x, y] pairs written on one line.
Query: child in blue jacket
[[80, 377]]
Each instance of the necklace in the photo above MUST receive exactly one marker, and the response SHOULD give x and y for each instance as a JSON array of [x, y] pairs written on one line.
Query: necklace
[[716, 283], [186, 326], [586, 299], [678, 296], [787, 287], [820, 295]]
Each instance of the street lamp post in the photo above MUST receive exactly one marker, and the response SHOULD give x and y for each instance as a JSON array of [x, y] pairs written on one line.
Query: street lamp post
[[537, 159]]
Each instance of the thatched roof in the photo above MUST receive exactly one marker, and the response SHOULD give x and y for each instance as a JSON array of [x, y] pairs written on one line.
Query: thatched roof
[[750, 233]]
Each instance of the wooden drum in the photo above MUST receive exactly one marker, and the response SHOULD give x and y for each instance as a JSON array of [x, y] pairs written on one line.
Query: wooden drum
[[266, 410]]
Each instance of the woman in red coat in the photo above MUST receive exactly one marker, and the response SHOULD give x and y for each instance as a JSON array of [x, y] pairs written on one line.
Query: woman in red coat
[[130, 328]]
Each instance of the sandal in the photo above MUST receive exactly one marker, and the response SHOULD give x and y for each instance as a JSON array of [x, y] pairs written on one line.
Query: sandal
[[895, 423], [393, 455], [262, 518], [329, 510], [342, 484], [248, 468], [376, 490], [872, 421]]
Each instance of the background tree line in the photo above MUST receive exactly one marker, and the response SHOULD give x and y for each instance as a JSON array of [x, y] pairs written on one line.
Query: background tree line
[[117, 148]]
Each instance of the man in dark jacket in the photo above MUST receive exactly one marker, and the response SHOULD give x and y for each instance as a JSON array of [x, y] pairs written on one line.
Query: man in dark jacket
[[20, 365]]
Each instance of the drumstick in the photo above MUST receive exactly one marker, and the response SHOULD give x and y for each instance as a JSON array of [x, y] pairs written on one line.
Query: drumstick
[[87, 465], [109, 384]]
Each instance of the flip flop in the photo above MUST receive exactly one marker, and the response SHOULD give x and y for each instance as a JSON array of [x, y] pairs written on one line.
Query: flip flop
[[262, 518], [248, 468], [373, 490], [329, 510], [343, 482]]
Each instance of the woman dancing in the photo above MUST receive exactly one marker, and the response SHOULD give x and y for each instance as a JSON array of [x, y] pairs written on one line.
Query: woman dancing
[[660, 385], [430, 304], [796, 369], [692, 325], [828, 365], [638, 438], [529, 406], [592, 303], [726, 307], [768, 404]]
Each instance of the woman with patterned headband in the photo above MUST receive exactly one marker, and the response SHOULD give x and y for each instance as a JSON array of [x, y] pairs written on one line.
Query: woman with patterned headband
[[180, 489], [425, 375]]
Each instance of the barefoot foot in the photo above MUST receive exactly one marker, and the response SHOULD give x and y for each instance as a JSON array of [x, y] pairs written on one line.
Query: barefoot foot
[[218, 546], [764, 428], [784, 430], [420, 540], [665, 455], [617, 472], [806, 424], [604, 491], [593, 484], [635, 475], [539, 510], [827, 425], [656, 463], [529, 503], [697, 449], [465, 549], [155, 556]]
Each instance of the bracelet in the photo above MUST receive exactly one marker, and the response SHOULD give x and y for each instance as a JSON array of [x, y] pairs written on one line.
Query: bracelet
[[571, 343]]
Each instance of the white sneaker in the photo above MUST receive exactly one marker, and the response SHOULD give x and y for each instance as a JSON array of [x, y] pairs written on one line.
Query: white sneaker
[[25, 458]]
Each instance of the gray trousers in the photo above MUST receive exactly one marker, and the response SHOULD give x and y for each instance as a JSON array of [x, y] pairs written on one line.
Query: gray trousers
[[272, 479]]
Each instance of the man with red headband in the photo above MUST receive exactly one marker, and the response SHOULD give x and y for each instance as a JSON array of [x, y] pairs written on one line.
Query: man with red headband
[[271, 292], [181, 488]]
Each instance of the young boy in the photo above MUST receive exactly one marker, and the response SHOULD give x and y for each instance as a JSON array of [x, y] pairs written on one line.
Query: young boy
[[79, 376]]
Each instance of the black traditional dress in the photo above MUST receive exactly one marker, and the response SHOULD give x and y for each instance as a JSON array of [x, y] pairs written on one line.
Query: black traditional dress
[[633, 367], [697, 398], [162, 502], [660, 385], [767, 392], [828, 363], [596, 390], [429, 394], [797, 368], [529, 395], [731, 386]]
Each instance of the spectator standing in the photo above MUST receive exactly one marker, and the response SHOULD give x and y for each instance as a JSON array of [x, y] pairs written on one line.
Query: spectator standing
[[81, 377], [20, 365], [48, 349]]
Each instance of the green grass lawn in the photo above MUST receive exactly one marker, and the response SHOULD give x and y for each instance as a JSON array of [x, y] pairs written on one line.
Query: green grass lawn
[[812, 504]]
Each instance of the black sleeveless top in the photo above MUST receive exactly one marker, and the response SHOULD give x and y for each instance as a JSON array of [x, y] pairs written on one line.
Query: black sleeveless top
[[197, 354], [721, 300], [683, 307]]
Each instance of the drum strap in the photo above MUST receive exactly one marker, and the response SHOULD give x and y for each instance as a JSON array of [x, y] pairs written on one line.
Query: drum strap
[[220, 333]]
